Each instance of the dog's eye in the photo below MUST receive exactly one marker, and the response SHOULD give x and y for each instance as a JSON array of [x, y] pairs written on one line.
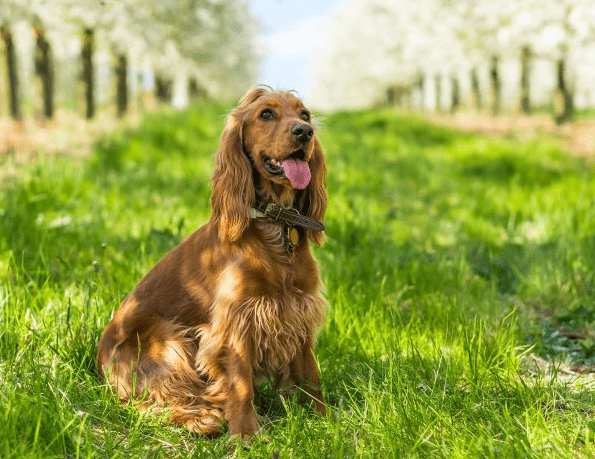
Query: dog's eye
[[305, 115], [267, 114]]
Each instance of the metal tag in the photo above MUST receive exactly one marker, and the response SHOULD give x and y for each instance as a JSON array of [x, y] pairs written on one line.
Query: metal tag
[[294, 236]]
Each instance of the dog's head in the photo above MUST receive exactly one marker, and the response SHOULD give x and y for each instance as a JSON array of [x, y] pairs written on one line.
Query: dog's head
[[268, 147]]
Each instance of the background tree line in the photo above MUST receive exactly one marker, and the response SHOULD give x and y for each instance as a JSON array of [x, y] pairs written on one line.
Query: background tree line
[[68, 51], [441, 54]]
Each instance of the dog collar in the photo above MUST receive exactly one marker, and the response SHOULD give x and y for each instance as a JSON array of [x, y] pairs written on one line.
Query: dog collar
[[286, 215]]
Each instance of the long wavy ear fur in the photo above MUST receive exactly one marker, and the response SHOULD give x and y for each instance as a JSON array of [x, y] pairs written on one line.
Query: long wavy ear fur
[[233, 188], [316, 197]]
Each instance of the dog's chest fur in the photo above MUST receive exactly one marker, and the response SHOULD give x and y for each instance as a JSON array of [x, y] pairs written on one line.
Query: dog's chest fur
[[275, 328], [279, 329], [274, 319]]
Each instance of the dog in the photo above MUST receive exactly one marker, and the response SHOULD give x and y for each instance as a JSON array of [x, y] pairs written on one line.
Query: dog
[[239, 300]]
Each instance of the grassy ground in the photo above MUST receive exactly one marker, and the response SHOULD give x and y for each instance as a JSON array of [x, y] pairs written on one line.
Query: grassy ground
[[451, 259]]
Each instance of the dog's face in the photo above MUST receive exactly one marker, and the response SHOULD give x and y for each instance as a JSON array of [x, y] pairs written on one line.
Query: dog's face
[[268, 149], [279, 136]]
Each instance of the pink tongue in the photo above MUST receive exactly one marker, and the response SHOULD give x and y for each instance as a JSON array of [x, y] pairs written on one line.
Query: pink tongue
[[297, 172]]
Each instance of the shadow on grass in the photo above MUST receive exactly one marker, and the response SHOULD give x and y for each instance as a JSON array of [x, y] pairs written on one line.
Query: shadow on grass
[[379, 124], [506, 168]]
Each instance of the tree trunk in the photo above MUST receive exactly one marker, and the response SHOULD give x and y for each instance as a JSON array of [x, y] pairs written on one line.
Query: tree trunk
[[438, 85], [475, 90], [44, 69], [163, 89], [525, 80], [122, 85], [420, 84], [391, 96], [563, 102], [13, 79], [196, 91], [495, 85], [193, 88], [88, 72], [455, 94]]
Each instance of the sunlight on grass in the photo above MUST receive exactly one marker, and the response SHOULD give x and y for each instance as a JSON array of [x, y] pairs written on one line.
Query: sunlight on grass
[[450, 259]]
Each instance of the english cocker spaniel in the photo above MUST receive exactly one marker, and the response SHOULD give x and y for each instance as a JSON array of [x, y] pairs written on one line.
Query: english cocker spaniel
[[239, 299]]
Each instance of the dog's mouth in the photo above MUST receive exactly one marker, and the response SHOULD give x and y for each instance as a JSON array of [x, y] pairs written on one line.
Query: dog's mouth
[[293, 168]]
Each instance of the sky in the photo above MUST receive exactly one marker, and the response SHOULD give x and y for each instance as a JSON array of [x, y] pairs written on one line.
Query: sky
[[293, 33]]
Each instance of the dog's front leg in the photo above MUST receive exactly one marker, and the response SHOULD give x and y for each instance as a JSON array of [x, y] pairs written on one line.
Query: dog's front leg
[[239, 411], [304, 374]]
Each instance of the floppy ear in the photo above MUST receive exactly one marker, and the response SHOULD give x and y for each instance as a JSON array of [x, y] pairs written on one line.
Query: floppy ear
[[233, 189], [316, 198]]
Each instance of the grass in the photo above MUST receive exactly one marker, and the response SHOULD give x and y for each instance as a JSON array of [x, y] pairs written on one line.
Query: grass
[[450, 259]]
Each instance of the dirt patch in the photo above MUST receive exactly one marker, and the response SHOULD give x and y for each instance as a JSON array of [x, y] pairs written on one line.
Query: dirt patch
[[69, 134], [66, 134], [578, 137]]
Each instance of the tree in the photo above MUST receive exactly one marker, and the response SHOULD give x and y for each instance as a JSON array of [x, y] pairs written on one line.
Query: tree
[[210, 41], [11, 65], [377, 44], [474, 45], [88, 75], [44, 67]]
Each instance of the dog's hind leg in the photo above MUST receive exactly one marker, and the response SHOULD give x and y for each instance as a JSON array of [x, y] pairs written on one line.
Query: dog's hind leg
[[156, 363]]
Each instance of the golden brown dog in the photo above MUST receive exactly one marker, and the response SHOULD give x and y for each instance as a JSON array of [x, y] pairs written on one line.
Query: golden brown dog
[[238, 300]]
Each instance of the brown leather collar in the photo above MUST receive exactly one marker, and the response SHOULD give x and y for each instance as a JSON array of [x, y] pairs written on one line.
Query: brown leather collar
[[287, 215]]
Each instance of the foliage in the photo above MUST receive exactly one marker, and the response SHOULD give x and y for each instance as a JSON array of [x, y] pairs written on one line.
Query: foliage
[[445, 254], [210, 40], [375, 44]]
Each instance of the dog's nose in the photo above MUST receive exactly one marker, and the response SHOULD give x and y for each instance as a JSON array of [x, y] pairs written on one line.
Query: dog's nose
[[302, 132]]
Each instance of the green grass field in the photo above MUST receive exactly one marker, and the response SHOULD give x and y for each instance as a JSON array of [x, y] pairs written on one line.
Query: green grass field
[[451, 259]]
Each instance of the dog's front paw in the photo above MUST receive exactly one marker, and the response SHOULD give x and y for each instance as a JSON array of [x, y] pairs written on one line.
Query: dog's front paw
[[243, 427]]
